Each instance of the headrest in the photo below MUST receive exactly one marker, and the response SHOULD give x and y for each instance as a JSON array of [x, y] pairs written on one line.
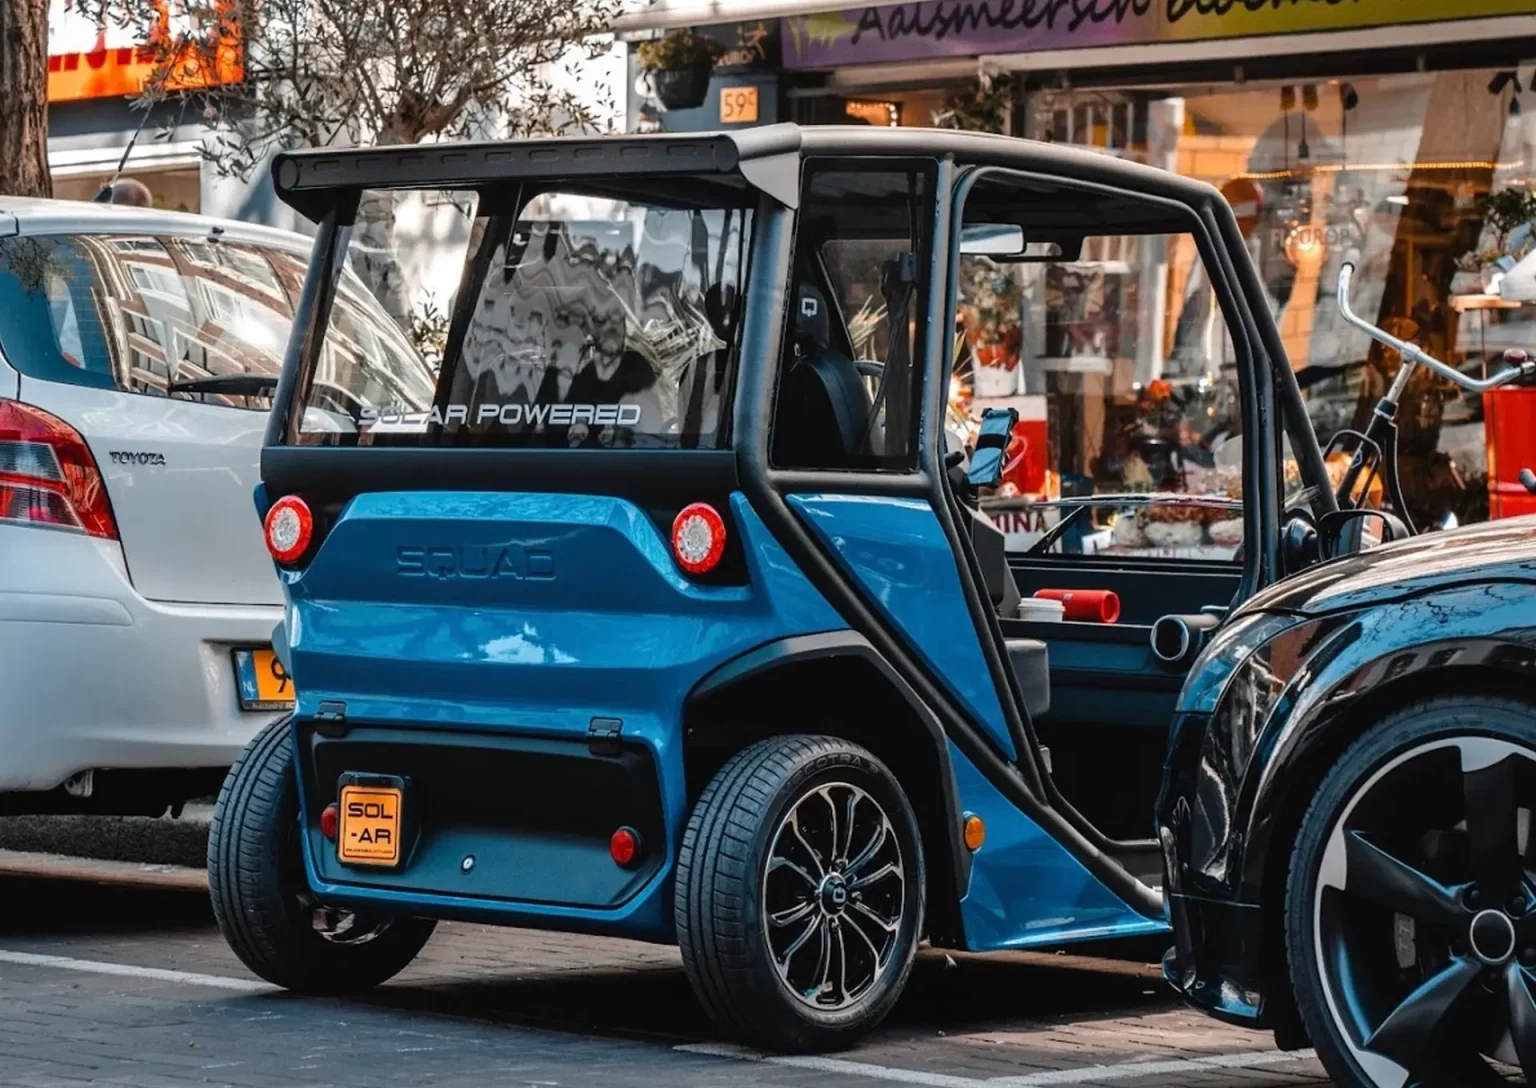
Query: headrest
[[813, 320]]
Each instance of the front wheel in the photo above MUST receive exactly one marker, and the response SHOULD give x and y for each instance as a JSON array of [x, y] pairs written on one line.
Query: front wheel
[[800, 893], [261, 898], [1410, 909]]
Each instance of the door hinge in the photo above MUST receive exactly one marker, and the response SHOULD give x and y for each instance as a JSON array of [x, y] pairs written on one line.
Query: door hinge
[[603, 736]]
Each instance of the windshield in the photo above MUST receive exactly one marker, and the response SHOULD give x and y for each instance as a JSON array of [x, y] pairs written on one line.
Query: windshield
[[578, 321]]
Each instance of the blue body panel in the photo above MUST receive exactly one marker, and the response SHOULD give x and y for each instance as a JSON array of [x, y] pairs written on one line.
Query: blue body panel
[[532, 613], [528, 615], [1026, 890], [897, 550]]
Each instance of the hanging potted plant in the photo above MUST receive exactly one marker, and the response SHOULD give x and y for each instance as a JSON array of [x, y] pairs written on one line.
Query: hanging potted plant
[[680, 65], [983, 106], [1508, 216]]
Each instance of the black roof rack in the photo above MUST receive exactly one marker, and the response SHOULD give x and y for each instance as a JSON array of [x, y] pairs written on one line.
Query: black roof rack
[[766, 158]]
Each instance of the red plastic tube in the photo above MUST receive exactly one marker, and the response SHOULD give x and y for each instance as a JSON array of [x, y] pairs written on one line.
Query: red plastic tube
[[1085, 605]]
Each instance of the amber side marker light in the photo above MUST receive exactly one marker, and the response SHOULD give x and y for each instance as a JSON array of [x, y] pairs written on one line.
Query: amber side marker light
[[975, 833]]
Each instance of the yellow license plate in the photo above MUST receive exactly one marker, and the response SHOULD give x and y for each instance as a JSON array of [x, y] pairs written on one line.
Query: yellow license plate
[[263, 682], [369, 832]]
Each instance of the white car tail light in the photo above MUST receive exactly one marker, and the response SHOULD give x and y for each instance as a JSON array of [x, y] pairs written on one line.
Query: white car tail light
[[47, 474], [698, 538], [289, 528]]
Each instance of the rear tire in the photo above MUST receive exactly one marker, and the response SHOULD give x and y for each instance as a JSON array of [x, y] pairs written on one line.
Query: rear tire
[[800, 894], [261, 897]]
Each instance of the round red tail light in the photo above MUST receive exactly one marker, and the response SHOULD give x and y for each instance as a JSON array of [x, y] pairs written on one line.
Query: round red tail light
[[624, 846], [329, 818], [289, 528], [698, 538]]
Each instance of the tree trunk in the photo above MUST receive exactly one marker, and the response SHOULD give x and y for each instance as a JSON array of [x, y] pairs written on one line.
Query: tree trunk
[[24, 92]]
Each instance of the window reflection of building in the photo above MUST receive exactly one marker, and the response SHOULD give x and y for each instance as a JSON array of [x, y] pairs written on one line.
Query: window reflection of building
[[1395, 166], [177, 309]]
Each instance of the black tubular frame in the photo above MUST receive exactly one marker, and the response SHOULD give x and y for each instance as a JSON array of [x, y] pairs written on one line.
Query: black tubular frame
[[763, 325]]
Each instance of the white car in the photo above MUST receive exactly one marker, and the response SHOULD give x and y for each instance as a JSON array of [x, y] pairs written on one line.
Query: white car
[[138, 353]]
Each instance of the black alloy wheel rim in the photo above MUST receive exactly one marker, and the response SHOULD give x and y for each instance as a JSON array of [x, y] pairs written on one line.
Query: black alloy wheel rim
[[834, 892], [1425, 916]]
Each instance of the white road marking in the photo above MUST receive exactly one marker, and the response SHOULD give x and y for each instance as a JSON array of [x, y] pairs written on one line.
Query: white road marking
[[131, 970], [831, 1065], [1080, 1075], [1130, 1070]]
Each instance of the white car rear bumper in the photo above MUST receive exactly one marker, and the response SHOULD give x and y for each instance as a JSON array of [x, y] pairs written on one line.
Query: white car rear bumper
[[93, 676]]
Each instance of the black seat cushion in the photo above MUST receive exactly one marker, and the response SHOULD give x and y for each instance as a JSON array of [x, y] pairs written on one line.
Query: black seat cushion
[[1032, 665], [822, 418]]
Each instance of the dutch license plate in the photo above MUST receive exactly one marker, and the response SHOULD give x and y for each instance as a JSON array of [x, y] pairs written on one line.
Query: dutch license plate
[[369, 831], [264, 683]]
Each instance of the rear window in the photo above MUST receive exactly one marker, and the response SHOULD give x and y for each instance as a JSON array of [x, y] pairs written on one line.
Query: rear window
[[576, 321], [197, 318]]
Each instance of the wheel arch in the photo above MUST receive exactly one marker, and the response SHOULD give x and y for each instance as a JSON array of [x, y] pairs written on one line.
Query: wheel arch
[[836, 683], [1307, 746]]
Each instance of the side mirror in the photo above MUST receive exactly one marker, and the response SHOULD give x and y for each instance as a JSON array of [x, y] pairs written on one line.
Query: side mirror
[[1300, 547], [1343, 532]]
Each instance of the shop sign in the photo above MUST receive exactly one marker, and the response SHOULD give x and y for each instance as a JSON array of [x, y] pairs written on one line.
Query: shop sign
[[738, 105], [90, 59], [949, 28]]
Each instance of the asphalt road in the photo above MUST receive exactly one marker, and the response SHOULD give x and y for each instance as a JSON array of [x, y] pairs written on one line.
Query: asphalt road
[[112, 973]]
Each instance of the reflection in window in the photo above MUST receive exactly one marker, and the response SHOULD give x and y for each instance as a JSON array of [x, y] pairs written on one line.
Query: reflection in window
[[1413, 170], [1124, 375], [142, 313]]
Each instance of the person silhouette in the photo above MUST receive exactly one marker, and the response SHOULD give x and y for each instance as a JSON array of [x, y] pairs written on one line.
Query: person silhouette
[[130, 191]]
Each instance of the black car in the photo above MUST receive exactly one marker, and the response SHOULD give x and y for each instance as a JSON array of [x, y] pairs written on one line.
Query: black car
[[1346, 812]]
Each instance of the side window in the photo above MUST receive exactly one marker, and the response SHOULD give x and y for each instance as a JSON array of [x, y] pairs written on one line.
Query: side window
[[1115, 353], [850, 382], [162, 316]]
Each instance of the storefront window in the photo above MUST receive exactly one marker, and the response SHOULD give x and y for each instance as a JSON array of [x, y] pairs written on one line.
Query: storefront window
[[1425, 175], [1122, 369]]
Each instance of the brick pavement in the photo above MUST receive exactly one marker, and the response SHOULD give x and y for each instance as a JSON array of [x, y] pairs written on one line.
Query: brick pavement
[[487, 1006]]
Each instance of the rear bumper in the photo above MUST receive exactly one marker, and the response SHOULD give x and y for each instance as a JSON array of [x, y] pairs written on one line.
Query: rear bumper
[[1215, 961], [497, 826], [97, 677]]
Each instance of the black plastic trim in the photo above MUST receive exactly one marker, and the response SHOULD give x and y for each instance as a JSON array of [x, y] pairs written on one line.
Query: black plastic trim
[[646, 477], [833, 644], [308, 180]]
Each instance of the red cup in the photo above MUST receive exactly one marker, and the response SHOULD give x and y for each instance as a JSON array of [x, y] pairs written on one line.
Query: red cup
[[1085, 605]]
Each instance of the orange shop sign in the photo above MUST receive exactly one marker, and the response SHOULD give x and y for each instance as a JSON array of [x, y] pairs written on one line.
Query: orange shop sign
[[87, 59]]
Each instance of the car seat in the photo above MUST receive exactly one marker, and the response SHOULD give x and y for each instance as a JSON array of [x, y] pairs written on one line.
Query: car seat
[[824, 405]]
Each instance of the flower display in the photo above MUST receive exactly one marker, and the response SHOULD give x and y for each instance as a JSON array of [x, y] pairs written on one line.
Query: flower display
[[992, 302]]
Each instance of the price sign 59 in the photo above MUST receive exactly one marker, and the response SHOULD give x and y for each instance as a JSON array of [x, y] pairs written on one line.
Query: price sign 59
[[738, 105]]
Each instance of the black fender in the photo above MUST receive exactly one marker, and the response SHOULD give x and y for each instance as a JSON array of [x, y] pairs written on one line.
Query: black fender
[[1303, 697], [783, 653]]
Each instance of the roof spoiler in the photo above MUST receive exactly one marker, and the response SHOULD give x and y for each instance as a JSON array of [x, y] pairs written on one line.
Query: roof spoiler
[[766, 158]]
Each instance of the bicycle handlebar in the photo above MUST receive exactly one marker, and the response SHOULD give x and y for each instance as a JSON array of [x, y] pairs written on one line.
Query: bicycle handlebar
[[1524, 368]]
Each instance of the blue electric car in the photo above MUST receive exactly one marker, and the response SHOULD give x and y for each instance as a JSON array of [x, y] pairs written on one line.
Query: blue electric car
[[656, 603]]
